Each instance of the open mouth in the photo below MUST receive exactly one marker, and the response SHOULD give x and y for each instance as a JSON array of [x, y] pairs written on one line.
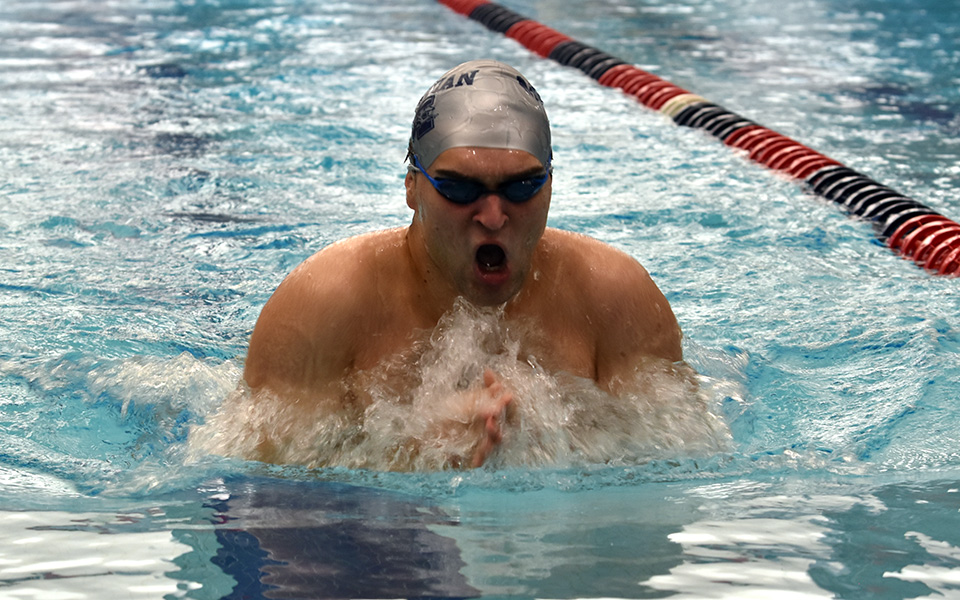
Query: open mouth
[[491, 257]]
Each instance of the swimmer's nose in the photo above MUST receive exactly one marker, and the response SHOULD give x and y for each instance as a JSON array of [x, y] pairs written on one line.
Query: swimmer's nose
[[490, 211]]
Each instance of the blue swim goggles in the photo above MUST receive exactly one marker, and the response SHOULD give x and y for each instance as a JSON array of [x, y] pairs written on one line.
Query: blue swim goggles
[[465, 191]]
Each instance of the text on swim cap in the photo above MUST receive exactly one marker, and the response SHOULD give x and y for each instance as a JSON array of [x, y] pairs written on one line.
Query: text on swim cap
[[424, 119], [423, 122]]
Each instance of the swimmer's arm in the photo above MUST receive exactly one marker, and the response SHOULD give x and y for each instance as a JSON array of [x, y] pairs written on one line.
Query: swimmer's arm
[[301, 344], [637, 325], [298, 355]]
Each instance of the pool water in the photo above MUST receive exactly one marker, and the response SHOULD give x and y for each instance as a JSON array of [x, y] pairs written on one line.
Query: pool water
[[166, 163]]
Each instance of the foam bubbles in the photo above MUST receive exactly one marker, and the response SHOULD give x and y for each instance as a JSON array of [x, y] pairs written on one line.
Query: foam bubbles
[[413, 411]]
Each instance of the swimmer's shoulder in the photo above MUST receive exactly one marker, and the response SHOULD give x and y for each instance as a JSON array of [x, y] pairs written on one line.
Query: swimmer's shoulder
[[618, 293], [363, 248], [312, 326], [351, 281], [346, 267], [596, 261], [338, 286]]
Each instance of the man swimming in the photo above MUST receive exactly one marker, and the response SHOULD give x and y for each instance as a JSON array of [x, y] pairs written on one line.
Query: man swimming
[[347, 332]]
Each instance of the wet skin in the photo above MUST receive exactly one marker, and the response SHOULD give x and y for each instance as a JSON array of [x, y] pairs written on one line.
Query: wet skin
[[447, 237], [579, 306]]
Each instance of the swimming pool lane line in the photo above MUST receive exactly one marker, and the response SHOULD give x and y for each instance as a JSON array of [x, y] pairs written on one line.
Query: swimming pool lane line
[[911, 229]]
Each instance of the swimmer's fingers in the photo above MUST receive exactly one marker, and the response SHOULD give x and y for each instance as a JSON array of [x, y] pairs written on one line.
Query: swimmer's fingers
[[493, 417], [484, 415], [494, 429], [481, 453], [490, 378], [494, 405], [493, 436], [496, 402], [495, 391]]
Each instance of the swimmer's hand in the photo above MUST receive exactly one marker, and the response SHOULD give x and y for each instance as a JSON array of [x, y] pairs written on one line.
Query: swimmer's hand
[[475, 422], [492, 410]]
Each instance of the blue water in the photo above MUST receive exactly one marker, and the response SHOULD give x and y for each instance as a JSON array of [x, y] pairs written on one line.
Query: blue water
[[165, 164]]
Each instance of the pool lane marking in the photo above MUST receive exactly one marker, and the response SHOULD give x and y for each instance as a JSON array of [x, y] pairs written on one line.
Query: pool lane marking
[[912, 230]]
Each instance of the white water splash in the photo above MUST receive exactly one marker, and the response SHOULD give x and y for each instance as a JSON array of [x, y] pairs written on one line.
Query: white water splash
[[555, 419]]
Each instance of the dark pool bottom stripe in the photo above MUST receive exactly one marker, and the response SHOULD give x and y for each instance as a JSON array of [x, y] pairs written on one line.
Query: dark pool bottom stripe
[[908, 227]]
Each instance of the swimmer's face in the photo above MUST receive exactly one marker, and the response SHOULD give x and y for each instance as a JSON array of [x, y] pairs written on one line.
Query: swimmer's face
[[484, 248]]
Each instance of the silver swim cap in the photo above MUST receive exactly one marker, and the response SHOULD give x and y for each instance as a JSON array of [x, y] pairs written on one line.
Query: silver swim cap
[[481, 103]]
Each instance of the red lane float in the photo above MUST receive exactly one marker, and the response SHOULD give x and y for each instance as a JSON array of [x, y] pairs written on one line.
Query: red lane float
[[464, 7], [937, 256], [895, 240]]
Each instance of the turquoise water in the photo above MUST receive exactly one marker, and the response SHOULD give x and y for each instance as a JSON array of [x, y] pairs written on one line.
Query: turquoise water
[[165, 164]]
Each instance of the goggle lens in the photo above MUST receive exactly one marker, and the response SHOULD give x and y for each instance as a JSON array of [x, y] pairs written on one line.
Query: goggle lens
[[465, 191]]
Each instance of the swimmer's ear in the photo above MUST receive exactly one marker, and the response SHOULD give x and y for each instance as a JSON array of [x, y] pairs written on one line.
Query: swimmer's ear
[[410, 184]]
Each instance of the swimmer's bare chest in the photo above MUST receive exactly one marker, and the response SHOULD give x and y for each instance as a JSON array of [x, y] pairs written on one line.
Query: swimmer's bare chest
[[555, 344]]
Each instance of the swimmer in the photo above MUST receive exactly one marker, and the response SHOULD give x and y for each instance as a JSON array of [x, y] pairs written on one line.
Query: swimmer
[[479, 185]]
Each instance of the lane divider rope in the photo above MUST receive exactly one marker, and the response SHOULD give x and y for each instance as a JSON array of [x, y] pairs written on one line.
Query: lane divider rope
[[909, 228]]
